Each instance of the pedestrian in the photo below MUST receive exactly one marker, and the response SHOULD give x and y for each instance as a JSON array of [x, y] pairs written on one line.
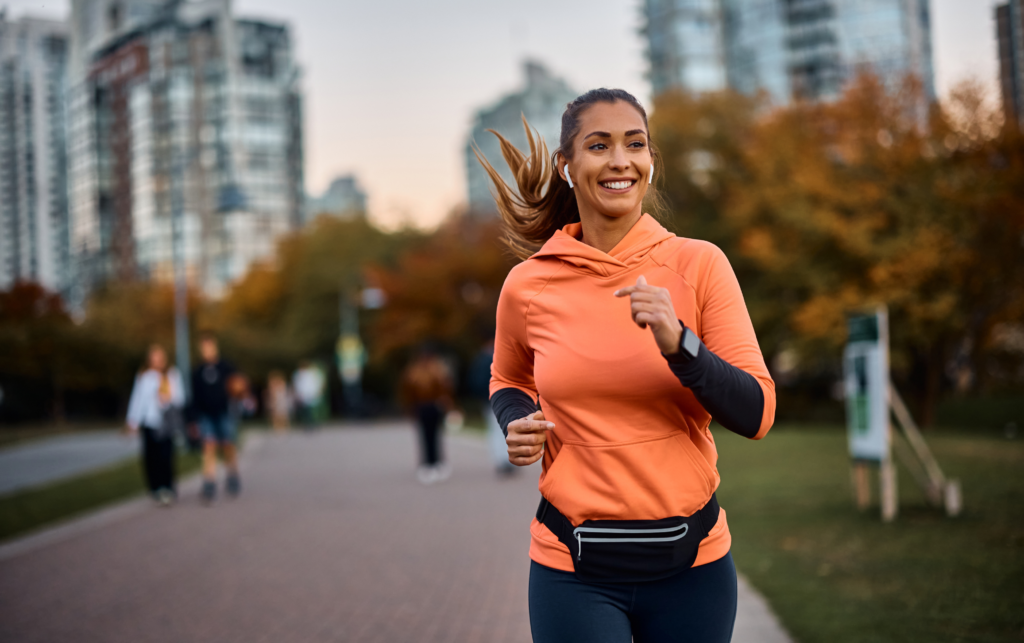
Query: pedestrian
[[426, 391], [155, 411], [617, 343], [218, 426], [308, 384], [479, 380], [278, 401]]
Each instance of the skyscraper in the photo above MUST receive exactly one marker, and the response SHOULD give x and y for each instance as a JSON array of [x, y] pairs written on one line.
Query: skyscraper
[[1010, 35], [343, 198], [542, 100], [33, 187], [180, 106], [789, 48]]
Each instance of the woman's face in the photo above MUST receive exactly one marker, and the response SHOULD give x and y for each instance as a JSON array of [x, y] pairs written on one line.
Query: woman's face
[[157, 359], [611, 160]]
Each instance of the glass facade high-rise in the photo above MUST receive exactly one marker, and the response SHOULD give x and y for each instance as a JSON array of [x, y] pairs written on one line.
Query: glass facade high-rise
[[1010, 36], [687, 47], [33, 187], [791, 48], [183, 107], [542, 100]]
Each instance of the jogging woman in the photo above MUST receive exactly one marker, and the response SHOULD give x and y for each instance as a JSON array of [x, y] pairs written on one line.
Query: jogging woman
[[617, 343]]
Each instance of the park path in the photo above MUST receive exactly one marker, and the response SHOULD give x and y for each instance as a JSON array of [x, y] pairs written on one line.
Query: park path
[[332, 540], [62, 456]]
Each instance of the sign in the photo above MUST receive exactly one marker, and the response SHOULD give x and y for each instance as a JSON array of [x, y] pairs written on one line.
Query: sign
[[866, 386]]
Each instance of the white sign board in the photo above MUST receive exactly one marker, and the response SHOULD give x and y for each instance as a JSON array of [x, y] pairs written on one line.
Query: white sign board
[[866, 386]]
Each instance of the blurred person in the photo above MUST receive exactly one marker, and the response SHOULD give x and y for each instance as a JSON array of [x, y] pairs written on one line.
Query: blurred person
[[218, 425], [278, 401], [308, 386], [479, 380], [617, 343], [154, 410], [426, 391]]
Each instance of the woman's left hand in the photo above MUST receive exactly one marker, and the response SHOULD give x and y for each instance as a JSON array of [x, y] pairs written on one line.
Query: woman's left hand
[[651, 307]]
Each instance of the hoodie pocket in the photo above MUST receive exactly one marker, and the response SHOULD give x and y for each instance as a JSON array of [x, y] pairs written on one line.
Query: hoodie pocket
[[648, 480]]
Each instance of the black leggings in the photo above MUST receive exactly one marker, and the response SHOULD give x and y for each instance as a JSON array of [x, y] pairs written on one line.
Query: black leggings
[[430, 416], [698, 604], [157, 460]]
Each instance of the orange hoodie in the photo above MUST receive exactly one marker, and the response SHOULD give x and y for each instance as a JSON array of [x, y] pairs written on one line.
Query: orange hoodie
[[630, 442]]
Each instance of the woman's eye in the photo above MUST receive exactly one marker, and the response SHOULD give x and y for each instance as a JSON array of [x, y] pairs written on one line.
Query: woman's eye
[[597, 146], [637, 144]]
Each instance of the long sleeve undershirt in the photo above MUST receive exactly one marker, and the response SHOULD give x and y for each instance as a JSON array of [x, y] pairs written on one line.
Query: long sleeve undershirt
[[732, 396]]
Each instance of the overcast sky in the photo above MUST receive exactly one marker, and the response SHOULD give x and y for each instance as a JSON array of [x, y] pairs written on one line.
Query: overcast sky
[[391, 85]]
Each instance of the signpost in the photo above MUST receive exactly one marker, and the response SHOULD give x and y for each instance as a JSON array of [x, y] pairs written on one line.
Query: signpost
[[866, 380], [871, 400]]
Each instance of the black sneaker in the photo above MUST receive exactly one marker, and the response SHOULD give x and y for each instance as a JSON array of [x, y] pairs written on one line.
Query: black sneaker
[[234, 485], [209, 491]]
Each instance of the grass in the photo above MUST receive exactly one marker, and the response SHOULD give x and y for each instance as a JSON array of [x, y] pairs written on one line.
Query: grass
[[24, 511], [834, 574]]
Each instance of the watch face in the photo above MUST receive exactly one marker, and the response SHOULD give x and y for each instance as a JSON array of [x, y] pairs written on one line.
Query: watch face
[[691, 343]]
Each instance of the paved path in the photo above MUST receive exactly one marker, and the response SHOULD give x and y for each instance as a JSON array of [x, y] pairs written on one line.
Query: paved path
[[62, 456], [332, 540]]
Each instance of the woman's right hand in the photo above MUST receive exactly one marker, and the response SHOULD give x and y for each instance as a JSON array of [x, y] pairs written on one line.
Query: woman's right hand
[[526, 438]]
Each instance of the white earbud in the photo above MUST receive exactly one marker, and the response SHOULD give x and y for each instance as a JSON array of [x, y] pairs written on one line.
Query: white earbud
[[650, 177], [567, 177]]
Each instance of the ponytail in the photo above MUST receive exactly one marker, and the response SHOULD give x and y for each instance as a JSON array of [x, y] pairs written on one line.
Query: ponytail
[[542, 203]]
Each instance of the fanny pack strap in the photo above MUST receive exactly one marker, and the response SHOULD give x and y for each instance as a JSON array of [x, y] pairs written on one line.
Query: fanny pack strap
[[549, 516]]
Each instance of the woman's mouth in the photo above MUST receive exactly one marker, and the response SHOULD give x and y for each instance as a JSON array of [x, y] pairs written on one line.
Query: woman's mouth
[[617, 185]]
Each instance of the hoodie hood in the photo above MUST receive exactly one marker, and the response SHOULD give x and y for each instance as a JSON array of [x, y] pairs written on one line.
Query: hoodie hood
[[645, 234]]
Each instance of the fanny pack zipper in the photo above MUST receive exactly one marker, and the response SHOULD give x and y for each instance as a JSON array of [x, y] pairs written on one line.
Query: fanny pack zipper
[[578, 532]]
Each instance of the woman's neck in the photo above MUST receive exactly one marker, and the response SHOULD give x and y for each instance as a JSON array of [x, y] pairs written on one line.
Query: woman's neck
[[604, 232]]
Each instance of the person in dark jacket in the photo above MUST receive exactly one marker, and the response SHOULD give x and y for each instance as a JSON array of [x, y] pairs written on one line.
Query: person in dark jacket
[[211, 410]]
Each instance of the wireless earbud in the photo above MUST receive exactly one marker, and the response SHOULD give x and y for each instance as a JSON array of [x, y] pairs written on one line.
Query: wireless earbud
[[650, 177], [567, 177]]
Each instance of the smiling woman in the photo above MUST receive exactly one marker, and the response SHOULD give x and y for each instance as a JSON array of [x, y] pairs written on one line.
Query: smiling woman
[[544, 200], [629, 542]]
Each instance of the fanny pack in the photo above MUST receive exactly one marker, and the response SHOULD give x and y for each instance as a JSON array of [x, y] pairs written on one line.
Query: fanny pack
[[630, 551]]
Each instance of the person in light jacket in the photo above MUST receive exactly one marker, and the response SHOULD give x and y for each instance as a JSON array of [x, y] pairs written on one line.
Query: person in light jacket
[[154, 411]]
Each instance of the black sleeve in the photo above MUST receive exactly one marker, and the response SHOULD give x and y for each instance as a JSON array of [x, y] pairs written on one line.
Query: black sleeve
[[509, 405], [731, 395]]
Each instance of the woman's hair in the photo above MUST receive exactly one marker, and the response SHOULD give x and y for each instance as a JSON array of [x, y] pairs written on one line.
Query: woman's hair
[[153, 348], [543, 202]]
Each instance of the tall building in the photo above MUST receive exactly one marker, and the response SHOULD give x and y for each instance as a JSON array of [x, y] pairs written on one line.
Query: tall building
[[343, 198], [33, 187], [788, 48], [542, 100], [180, 106], [1010, 35]]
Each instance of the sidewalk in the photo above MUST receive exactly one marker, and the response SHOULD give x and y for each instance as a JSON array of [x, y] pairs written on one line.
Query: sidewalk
[[62, 456], [332, 540]]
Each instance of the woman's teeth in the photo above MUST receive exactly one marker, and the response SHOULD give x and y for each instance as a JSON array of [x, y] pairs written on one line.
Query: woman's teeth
[[617, 185]]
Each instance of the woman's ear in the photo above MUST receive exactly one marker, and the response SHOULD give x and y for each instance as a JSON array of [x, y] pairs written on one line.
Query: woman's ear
[[563, 169]]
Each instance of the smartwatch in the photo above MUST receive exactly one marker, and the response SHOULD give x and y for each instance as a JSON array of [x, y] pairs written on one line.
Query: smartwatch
[[689, 347]]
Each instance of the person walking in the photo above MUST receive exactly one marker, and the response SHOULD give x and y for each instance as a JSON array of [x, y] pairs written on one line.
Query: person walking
[[211, 401], [154, 411], [617, 343], [426, 390], [278, 401], [308, 384]]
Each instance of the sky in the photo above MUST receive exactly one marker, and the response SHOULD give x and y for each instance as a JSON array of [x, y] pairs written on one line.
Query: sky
[[391, 86]]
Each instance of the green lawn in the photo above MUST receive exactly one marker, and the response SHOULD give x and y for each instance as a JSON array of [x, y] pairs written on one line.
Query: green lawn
[[833, 574], [24, 511]]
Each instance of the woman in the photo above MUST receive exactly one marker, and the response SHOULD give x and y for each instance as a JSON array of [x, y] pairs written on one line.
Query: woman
[[278, 401], [617, 343], [426, 390], [155, 410]]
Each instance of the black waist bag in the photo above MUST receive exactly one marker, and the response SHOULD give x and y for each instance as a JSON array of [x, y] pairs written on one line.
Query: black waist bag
[[630, 551]]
